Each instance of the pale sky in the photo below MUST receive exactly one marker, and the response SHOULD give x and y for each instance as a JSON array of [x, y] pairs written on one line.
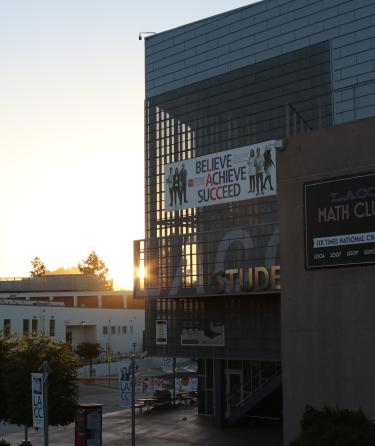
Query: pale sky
[[71, 127]]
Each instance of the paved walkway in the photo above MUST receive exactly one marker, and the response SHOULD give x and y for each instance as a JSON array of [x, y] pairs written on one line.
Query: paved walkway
[[180, 427]]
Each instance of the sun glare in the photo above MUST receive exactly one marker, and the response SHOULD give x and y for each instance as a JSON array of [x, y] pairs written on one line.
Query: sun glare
[[141, 274]]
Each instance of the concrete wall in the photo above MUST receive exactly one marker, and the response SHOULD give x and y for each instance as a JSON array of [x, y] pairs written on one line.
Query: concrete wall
[[269, 28], [328, 330]]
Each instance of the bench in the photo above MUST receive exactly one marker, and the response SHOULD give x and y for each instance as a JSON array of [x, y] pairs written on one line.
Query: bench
[[140, 407]]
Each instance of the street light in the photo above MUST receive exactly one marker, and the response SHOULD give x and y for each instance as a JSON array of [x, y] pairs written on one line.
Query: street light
[[143, 34], [133, 393]]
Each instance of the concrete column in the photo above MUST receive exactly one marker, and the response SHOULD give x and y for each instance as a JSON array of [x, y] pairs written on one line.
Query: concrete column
[[75, 301], [100, 301]]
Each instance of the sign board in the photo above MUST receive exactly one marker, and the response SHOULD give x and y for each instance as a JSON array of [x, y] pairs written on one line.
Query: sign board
[[161, 332], [233, 175], [252, 279], [198, 334], [37, 399], [340, 221], [94, 426], [88, 425], [125, 384], [109, 353], [139, 386]]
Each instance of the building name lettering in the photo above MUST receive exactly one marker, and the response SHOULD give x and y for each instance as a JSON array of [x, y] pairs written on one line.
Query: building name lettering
[[254, 279]]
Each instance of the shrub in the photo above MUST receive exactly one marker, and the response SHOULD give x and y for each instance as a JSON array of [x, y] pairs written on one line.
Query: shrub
[[335, 427]]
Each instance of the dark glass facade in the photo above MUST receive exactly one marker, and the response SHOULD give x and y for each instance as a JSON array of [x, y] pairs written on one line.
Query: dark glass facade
[[184, 249], [272, 70]]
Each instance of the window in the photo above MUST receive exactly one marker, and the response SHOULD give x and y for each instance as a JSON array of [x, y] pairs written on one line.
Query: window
[[34, 326], [26, 327], [124, 329], [118, 330], [113, 330], [131, 329], [7, 328], [105, 329], [52, 327]]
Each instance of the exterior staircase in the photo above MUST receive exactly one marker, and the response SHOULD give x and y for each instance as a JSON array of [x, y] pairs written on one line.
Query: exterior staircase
[[251, 396]]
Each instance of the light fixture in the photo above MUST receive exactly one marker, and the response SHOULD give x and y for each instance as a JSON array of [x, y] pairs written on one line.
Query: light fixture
[[143, 34]]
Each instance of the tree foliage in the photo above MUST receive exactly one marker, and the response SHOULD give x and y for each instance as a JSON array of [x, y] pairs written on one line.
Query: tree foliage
[[335, 427], [25, 356], [89, 351], [4, 346], [94, 265], [62, 271], [38, 266]]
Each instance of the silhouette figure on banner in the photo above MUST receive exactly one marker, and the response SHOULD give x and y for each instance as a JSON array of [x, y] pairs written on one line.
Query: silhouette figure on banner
[[268, 163], [176, 184], [251, 170]]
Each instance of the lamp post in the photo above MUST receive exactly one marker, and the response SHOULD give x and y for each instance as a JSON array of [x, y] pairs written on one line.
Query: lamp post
[[46, 370], [144, 34], [133, 393], [174, 381]]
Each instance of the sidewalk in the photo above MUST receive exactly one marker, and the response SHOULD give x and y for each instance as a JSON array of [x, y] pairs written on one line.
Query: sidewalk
[[180, 426]]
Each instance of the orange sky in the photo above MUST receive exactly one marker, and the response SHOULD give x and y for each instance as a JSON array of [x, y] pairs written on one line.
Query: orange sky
[[71, 128]]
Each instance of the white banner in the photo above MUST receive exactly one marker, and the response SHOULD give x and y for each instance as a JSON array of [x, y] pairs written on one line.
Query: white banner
[[232, 175], [197, 334], [37, 399], [161, 332], [125, 385]]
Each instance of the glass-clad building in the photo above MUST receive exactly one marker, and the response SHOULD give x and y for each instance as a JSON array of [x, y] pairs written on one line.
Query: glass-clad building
[[272, 71]]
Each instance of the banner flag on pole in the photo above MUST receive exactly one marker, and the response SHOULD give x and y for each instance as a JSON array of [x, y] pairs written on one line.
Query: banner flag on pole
[[37, 399]]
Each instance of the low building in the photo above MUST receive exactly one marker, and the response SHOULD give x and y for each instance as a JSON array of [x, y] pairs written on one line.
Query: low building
[[72, 308]]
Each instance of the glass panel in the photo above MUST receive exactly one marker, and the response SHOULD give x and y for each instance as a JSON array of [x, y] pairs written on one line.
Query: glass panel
[[202, 406], [234, 389], [245, 107], [210, 402], [210, 374]]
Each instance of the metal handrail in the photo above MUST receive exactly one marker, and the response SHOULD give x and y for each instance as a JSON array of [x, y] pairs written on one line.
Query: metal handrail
[[263, 382]]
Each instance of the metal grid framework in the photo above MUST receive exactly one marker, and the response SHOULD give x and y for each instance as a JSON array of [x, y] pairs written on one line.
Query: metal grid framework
[[183, 249]]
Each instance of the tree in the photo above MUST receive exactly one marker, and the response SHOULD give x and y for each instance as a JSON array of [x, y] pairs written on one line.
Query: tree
[[89, 351], [4, 343], [39, 268], [61, 270], [25, 356], [94, 265]]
